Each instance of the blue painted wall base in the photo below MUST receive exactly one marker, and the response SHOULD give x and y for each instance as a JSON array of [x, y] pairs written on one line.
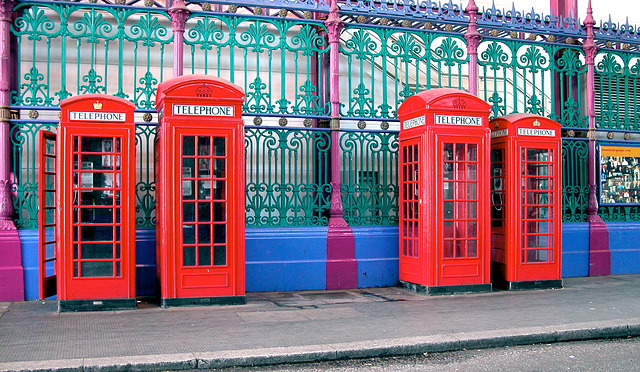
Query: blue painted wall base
[[624, 247], [377, 255], [286, 259]]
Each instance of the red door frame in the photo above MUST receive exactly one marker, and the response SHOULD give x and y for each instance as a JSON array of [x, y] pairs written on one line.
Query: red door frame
[[45, 243], [210, 284], [513, 133], [71, 287]]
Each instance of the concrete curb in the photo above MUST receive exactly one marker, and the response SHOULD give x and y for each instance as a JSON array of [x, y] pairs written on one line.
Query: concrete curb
[[350, 350]]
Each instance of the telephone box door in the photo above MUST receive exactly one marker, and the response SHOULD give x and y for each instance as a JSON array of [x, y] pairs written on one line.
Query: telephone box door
[[97, 258], [47, 214], [460, 210], [204, 258], [411, 264], [538, 239], [95, 222]]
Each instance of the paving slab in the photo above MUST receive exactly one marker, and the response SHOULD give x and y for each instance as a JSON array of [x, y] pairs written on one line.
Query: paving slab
[[280, 327]]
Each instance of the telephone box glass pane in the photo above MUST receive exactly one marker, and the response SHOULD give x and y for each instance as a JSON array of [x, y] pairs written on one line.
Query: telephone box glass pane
[[95, 230], [537, 205], [204, 256], [460, 190], [410, 213], [203, 181]]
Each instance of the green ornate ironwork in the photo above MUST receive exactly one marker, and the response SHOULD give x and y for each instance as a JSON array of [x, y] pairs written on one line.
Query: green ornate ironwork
[[617, 90], [575, 187], [287, 177], [369, 178], [385, 66], [623, 213], [25, 165], [145, 176], [119, 51], [542, 79], [277, 61]]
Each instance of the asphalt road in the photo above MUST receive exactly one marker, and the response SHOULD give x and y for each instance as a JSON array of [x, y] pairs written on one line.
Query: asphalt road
[[584, 356]]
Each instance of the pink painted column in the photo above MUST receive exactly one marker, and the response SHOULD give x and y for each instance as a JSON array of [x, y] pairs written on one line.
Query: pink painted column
[[473, 38], [342, 268], [179, 14], [11, 270], [599, 253]]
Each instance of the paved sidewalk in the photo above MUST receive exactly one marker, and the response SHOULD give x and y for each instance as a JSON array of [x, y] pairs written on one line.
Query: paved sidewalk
[[306, 326]]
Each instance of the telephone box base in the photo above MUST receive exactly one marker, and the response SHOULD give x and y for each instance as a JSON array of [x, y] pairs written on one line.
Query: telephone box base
[[529, 285], [111, 304], [203, 301], [446, 289]]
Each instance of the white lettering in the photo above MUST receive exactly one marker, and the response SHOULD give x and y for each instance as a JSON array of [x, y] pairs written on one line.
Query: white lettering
[[537, 132], [412, 123], [200, 110], [97, 116], [459, 120], [499, 133]]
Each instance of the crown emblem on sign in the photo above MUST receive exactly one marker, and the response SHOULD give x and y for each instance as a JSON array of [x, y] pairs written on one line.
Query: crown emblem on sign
[[536, 123], [97, 105], [204, 91], [459, 103]]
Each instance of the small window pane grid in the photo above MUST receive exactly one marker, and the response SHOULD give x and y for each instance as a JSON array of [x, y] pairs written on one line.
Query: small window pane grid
[[204, 203], [410, 179], [97, 208], [49, 205], [498, 206], [537, 205], [460, 183]]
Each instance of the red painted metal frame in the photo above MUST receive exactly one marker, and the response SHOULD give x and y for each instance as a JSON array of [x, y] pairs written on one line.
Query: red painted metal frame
[[432, 268], [514, 269], [47, 282], [176, 280], [84, 288]]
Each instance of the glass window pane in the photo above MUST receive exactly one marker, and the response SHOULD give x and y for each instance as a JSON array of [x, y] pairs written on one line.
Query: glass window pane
[[92, 269], [460, 152], [96, 251], [219, 234], [204, 212], [447, 151], [472, 210], [204, 167], [448, 249], [204, 146], [472, 152], [219, 192], [188, 145], [189, 256], [472, 248], [96, 233], [188, 167], [204, 234], [219, 255], [204, 256], [461, 248], [472, 171], [448, 190], [219, 146], [219, 171], [472, 188], [188, 234], [188, 212]]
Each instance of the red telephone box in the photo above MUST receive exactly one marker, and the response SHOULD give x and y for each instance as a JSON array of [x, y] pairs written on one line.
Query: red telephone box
[[200, 198], [95, 225], [444, 193], [526, 210]]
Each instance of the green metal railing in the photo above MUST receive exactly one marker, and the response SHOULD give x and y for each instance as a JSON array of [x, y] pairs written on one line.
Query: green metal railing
[[67, 49], [385, 66], [575, 187], [287, 177], [276, 61], [369, 178], [539, 79]]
